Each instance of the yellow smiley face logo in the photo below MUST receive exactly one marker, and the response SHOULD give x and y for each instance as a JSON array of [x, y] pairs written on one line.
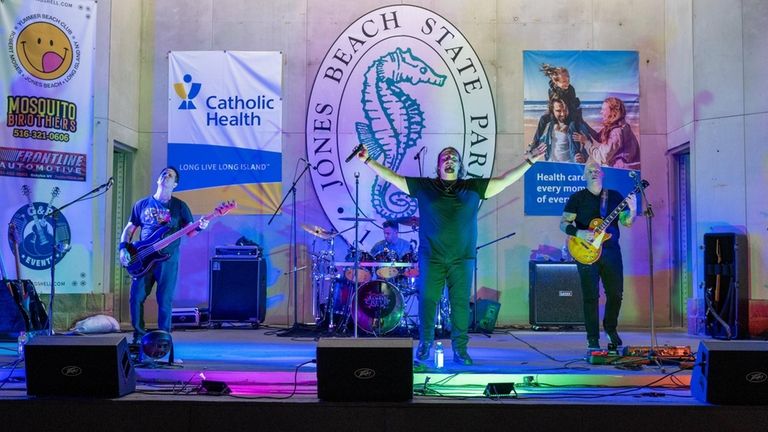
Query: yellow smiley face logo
[[44, 51]]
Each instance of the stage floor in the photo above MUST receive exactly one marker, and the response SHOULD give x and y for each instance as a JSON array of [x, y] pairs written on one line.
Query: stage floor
[[274, 388], [546, 366]]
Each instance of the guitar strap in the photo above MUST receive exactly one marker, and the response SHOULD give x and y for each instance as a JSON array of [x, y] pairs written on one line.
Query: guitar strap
[[603, 203]]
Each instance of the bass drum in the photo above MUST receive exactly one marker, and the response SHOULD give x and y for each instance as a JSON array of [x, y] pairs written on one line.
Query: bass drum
[[379, 307]]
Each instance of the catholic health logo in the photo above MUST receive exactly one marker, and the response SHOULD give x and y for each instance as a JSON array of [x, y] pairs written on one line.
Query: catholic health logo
[[185, 95], [43, 49], [404, 82]]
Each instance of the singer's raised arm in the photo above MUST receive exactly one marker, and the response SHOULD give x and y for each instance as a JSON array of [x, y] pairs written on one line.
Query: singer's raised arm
[[387, 174]]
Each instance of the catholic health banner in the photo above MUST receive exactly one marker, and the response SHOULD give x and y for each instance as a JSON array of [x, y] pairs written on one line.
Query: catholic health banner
[[46, 137], [224, 128]]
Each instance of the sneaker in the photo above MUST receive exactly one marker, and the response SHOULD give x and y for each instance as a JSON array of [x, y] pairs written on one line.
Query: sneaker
[[593, 343], [461, 356], [422, 352], [615, 339]]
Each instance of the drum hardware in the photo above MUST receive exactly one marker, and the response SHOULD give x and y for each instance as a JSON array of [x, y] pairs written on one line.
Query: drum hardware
[[359, 219]]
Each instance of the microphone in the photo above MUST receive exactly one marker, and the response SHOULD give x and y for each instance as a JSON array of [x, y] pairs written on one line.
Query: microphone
[[633, 174], [418, 153], [108, 184], [355, 151]]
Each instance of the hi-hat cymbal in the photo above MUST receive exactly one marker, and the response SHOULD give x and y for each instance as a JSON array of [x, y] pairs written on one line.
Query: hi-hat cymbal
[[361, 219], [411, 221], [317, 231]]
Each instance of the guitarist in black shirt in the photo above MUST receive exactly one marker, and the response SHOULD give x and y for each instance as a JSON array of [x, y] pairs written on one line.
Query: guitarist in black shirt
[[586, 209], [151, 214]]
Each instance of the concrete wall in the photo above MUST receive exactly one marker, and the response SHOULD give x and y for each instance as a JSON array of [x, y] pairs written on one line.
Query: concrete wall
[[716, 101], [700, 82]]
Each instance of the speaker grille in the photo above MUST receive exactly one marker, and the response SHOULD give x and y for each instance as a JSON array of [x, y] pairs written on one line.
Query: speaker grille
[[237, 290], [554, 294]]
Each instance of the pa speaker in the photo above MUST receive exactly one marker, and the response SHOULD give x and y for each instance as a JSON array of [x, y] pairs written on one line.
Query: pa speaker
[[97, 366], [731, 372], [374, 370], [237, 289], [554, 294]]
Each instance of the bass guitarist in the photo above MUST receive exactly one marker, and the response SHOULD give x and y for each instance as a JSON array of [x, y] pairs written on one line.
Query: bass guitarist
[[151, 214], [583, 208]]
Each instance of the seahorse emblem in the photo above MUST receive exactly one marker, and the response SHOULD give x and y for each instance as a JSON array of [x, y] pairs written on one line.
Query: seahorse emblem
[[394, 121]]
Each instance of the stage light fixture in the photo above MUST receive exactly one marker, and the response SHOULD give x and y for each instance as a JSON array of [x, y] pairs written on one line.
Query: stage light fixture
[[500, 390], [214, 388], [156, 345]]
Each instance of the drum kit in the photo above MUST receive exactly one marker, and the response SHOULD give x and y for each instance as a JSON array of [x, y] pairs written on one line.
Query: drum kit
[[386, 295]]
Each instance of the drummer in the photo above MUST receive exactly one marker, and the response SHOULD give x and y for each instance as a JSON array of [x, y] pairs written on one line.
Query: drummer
[[392, 248]]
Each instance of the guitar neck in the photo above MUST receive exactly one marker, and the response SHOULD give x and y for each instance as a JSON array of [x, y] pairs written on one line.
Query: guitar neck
[[609, 219], [183, 231]]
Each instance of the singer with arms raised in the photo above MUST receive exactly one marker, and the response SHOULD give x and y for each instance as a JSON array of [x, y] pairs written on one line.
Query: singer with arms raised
[[582, 208], [150, 214], [448, 207]]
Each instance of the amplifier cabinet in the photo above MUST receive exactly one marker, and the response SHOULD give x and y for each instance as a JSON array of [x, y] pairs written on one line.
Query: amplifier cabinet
[[554, 294], [237, 289]]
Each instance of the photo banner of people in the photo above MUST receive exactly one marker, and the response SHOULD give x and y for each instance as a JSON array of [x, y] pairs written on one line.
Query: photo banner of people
[[582, 106]]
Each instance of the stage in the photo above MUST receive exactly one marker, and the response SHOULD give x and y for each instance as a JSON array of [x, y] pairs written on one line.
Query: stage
[[274, 387]]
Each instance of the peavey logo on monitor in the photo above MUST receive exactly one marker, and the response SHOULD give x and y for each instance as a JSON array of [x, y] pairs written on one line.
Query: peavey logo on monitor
[[404, 82], [71, 371], [365, 373], [756, 377]]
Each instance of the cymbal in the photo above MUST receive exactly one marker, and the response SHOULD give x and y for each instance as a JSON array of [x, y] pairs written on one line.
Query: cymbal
[[317, 231], [412, 221], [361, 219]]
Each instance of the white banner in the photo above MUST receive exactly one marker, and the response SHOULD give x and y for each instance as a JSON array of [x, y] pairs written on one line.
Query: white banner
[[225, 128], [46, 137]]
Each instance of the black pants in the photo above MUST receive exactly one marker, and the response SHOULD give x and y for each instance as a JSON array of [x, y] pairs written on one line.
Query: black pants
[[610, 270], [457, 275]]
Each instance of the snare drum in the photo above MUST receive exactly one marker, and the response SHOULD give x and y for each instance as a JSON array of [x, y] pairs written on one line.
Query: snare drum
[[363, 273], [379, 307]]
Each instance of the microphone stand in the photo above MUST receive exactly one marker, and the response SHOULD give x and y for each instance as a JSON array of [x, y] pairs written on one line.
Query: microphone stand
[[61, 248], [296, 327], [474, 284], [648, 213]]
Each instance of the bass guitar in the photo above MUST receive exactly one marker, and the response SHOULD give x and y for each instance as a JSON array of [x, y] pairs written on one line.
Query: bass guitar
[[145, 253], [587, 252]]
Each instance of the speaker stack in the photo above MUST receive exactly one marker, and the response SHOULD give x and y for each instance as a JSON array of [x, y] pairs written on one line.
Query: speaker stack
[[237, 285]]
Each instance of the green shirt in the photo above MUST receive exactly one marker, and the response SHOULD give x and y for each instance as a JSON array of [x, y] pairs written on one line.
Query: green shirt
[[447, 216]]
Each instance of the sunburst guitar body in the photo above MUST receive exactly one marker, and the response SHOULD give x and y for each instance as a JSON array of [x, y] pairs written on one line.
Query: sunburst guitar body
[[588, 252]]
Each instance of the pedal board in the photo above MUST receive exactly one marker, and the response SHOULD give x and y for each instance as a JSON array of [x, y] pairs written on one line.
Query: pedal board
[[613, 357], [677, 352]]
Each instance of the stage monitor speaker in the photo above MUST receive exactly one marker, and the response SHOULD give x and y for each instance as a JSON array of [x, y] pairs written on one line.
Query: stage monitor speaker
[[488, 313], [726, 285], [731, 373], [237, 289], [554, 294], [375, 370], [94, 366]]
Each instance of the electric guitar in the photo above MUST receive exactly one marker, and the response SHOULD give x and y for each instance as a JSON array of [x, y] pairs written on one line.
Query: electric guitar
[[588, 252], [145, 253]]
